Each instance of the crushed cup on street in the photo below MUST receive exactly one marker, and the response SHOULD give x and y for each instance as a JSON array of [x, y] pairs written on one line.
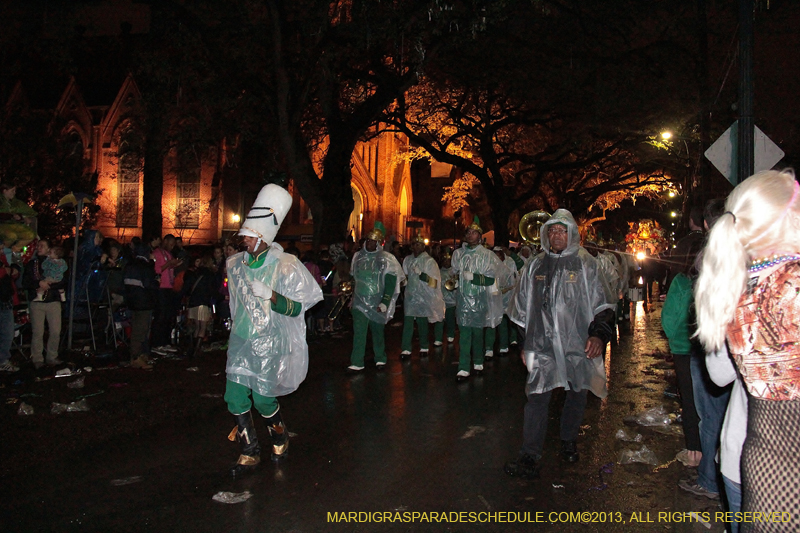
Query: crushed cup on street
[[628, 436], [74, 407], [77, 384], [655, 416], [232, 497], [25, 409], [645, 455], [64, 372]]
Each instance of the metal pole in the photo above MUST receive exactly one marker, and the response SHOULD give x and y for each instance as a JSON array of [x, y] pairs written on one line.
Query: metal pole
[[746, 146], [78, 212]]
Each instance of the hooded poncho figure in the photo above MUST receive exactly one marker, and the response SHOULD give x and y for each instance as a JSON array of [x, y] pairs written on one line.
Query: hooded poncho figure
[[267, 351], [423, 298], [561, 304], [377, 276], [480, 303]]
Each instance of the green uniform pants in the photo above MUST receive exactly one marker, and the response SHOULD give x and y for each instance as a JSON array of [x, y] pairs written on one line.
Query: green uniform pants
[[408, 332], [507, 330], [470, 339], [237, 397], [450, 321], [360, 325]]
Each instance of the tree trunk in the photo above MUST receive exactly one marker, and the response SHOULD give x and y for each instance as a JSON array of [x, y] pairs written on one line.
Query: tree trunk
[[153, 177]]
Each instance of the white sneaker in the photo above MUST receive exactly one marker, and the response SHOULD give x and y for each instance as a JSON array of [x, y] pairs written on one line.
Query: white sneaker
[[503, 350], [450, 339], [379, 364], [423, 350], [8, 367], [354, 368], [462, 375], [437, 343], [489, 354], [405, 352], [477, 368]]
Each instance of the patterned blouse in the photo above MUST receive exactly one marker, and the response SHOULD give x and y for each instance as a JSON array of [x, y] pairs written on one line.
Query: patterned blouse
[[763, 337]]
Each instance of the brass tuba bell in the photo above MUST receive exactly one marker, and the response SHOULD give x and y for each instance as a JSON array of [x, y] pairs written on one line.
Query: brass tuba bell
[[451, 284], [530, 225]]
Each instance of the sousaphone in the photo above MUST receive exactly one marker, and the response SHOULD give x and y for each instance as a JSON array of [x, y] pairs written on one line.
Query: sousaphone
[[530, 225]]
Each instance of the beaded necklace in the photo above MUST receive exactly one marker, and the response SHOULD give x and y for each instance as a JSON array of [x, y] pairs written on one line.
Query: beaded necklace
[[758, 265]]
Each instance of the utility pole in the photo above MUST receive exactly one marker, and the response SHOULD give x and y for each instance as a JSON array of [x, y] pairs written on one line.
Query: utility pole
[[746, 148]]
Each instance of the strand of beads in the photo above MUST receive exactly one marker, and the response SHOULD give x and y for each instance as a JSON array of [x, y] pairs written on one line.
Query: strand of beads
[[762, 264]]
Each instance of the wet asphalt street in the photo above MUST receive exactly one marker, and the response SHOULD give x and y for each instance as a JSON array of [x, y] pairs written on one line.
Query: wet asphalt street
[[401, 444]]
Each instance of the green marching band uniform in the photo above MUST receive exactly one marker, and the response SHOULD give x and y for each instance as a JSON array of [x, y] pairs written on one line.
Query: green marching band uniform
[[507, 283], [423, 301], [267, 350], [377, 276], [479, 304]]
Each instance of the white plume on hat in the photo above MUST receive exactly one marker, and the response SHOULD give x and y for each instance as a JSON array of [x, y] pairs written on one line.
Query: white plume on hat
[[267, 214]]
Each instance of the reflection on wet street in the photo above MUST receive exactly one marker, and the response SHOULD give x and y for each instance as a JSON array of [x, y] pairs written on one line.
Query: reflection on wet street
[[151, 452]]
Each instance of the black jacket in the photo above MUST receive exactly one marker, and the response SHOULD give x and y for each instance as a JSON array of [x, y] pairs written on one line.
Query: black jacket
[[141, 287], [200, 286]]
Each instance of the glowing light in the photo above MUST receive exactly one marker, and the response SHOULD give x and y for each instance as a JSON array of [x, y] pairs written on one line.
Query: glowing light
[[426, 242], [640, 255], [236, 218], [666, 135], [672, 194], [674, 214], [361, 216], [641, 280]]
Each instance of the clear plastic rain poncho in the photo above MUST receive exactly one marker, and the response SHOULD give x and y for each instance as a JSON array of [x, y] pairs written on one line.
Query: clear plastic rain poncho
[[610, 278], [267, 351], [556, 300], [449, 296], [508, 282], [421, 299], [369, 270], [478, 306]]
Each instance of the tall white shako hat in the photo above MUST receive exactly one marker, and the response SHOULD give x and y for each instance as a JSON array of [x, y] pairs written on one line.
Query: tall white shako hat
[[266, 216]]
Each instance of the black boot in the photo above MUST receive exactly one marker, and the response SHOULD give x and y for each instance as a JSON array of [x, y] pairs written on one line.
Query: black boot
[[279, 435], [245, 431], [569, 451]]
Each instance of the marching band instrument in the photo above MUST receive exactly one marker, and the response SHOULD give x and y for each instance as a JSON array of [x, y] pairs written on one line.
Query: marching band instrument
[[530, 224], [345, 293], [451, 284]]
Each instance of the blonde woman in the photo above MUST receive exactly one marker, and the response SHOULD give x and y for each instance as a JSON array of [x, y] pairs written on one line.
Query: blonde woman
[[748, 292]]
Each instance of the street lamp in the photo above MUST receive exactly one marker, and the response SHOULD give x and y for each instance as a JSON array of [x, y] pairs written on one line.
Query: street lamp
[[236, 219]]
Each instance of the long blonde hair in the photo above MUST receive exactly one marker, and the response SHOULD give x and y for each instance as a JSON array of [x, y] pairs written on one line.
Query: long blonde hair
[[762, 215]]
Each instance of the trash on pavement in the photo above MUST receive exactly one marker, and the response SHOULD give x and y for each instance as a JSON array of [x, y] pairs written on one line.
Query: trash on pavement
[[696, 516], [210, 395], [74, 407], [77, 384], [629, 436], [193, 369], [232, 497], [472, 431], [64, 372], [11, 401], [645, 455], [25, 409], [126, 481], [98, 393], [655, 416]]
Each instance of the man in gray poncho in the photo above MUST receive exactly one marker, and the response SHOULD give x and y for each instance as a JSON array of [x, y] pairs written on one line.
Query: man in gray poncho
[[567, 319]]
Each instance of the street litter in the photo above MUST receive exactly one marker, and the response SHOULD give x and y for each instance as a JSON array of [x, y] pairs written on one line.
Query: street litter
[[87, 368], [655, 416], [65, 372], [210, 395], [11, 401], [25, 409], [557, 486], [645, 455], [628, 436], [98, 393], [472, 431], [126, 481], [193, 369], [77, 384], [74, 407], [683, 457], [232, 497]]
